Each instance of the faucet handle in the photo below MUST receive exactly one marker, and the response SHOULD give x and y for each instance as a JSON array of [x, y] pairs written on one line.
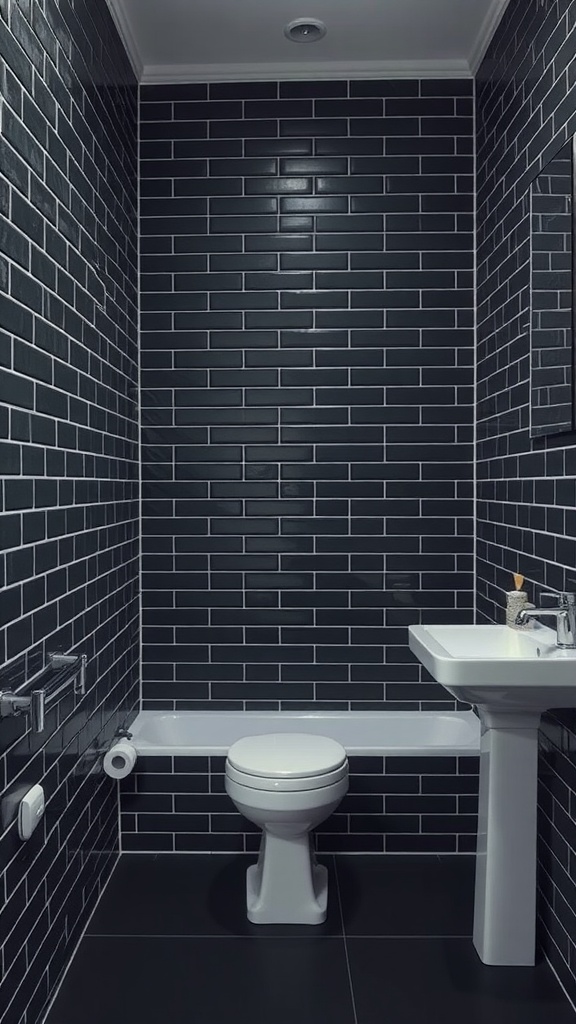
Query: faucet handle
[[564, 597]]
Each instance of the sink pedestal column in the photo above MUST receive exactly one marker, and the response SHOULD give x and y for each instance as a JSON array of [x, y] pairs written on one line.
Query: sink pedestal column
[[505, 895]]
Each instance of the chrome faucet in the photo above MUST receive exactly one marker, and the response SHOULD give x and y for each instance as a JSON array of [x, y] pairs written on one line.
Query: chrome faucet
[[564, 613]]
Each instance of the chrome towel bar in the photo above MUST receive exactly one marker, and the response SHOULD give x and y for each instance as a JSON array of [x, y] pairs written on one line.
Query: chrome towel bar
[[35, 695]]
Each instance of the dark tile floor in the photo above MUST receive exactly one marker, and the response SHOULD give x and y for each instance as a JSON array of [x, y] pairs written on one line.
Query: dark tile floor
[[170, 944]]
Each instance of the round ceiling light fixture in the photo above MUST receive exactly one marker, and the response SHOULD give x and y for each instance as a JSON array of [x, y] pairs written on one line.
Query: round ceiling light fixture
[[305, 30]]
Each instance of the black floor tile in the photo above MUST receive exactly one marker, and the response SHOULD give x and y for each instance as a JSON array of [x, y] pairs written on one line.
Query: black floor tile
[[206, 981], [170, 942], [192, 894], [404, 895], [442, 981]]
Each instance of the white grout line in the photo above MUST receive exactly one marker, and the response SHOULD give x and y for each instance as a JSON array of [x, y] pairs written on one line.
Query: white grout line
[[72, 955], [348, 967], [247, 935], [103, 830], [475, 371], [558, 978], [253, 935], [139, 401]]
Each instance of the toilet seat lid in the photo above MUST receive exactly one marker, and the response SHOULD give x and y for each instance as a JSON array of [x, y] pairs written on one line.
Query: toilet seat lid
[[286, 755]]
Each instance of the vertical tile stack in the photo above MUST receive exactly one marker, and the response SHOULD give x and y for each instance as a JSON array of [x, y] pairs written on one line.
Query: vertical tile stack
[[68, 461], [307, 345], [395, 805], [526, 108], [307, 351]]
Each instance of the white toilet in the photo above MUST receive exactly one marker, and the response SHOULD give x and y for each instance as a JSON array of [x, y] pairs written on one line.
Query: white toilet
[[287, 783]]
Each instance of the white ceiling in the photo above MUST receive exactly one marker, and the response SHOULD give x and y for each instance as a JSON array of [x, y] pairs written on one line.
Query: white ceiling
[[187, 40]]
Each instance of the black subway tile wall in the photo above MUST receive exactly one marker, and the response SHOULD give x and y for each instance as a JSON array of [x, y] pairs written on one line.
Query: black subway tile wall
[[307, 353], [68, 453], [394, 805], [526, 108]]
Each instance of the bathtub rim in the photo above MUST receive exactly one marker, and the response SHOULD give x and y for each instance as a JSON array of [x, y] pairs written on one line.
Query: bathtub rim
[[471, 748]]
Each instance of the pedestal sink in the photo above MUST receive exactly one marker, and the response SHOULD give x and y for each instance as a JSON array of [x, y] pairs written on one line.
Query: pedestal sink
[[511, 676]]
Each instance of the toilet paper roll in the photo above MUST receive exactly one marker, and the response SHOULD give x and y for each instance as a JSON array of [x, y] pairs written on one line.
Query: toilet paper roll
[[120, 760]]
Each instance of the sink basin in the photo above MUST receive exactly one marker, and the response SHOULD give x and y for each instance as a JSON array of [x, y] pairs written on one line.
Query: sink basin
[[498, 666]]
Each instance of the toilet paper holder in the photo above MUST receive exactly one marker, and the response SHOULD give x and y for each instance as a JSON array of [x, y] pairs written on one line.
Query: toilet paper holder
[[120, 734], [119, 759], [93, 757]]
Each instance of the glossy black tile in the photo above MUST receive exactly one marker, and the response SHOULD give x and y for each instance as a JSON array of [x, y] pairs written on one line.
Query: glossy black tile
[[172, 93], [313, 261], [312, 323], [243, 129], [313, 88], [314, 128], [243, 90], [214, 902], [314, 204], [169, 986], [278, 147], [281, 108], [370, 887], [403, 895], [538, 533], [453, 985], [67, 390]]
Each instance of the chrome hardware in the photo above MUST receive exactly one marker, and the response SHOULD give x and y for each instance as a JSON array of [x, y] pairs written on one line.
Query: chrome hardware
[[37, 710], [68, 661], [62, 671], [122, 734], [564, 613]]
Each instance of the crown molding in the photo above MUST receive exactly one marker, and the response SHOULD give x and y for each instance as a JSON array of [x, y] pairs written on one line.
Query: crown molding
[[489, 26], [116, 8], [165, 74]]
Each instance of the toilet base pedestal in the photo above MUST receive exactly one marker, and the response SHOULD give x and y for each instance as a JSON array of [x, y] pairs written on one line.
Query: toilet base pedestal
[[286, 886]]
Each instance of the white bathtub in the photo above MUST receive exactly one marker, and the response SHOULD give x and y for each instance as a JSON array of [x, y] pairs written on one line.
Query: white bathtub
[[197, 733]]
